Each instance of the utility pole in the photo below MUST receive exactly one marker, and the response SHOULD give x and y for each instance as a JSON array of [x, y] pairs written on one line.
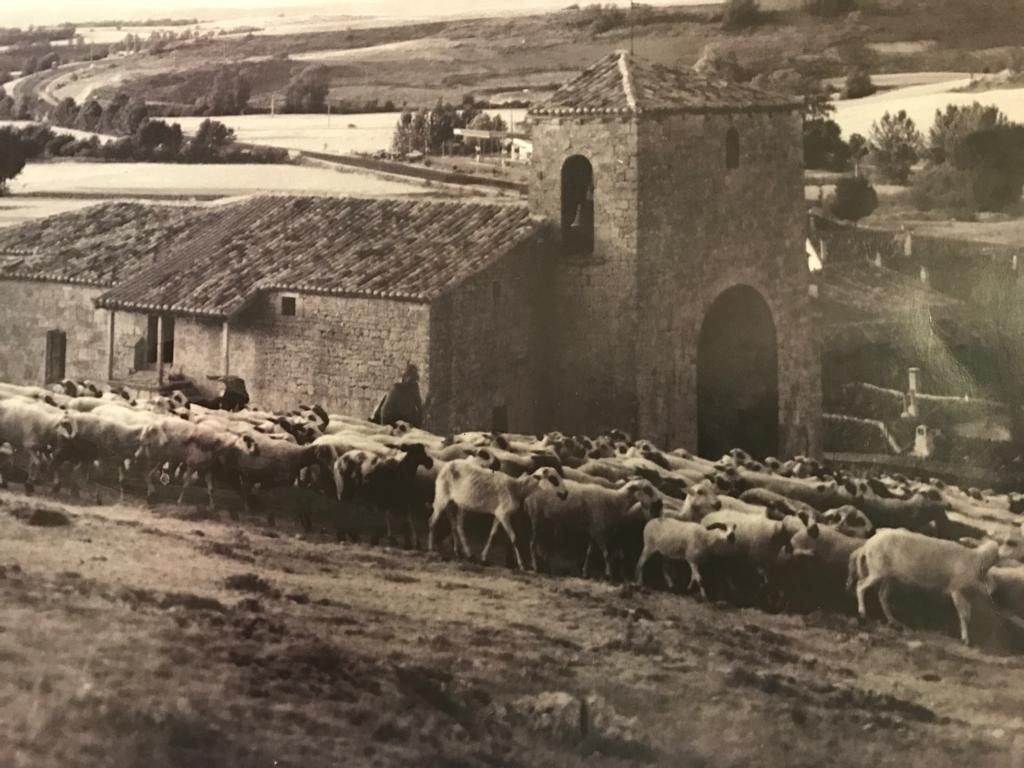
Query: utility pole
[[632, 28], [328, 114]]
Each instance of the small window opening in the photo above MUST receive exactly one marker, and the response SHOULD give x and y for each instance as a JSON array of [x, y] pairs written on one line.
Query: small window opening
[[288, 306], [732, 149], [56, 355], [578, 206], [499, 418]]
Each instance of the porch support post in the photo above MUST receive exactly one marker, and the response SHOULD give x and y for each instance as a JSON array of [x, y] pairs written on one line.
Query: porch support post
[[159, 349], [110, 345], [225, 348]]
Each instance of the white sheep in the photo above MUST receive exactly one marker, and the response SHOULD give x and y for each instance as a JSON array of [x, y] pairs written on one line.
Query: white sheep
[[464, 486], [701, 500], [600, 512], [899, 556], [686, 541]]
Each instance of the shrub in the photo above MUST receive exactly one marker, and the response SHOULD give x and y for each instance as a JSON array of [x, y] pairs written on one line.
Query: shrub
[[954, 125], [858, 84], [740, 14], [895, 144], [995, 156], [853, 199], [824, 148], [944, 187]]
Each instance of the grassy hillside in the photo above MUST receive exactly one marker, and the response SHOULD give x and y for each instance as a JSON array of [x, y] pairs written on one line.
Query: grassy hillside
[[142, 637], [500, 57]]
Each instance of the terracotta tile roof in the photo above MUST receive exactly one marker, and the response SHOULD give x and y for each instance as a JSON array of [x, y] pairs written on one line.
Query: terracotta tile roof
[[97, 245], [620, 83], [401, 249]]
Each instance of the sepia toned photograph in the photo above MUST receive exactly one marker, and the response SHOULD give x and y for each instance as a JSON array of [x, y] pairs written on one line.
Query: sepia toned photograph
[[493, 384]]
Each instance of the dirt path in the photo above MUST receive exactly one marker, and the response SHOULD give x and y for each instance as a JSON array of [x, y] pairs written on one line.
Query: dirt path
[[132, 637]]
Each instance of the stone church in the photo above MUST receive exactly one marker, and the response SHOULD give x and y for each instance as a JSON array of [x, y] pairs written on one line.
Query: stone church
[[656, 281]]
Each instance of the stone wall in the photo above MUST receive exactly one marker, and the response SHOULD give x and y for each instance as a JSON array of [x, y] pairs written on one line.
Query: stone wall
[[28, 309], [486, 351], [342, 352], [705, 228], [593, 322], [197, 347]]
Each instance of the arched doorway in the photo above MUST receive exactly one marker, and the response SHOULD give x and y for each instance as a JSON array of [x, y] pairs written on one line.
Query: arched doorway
[[737, 376]]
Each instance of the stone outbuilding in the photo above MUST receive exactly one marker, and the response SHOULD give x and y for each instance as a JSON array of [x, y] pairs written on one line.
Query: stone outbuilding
[[656, 281]]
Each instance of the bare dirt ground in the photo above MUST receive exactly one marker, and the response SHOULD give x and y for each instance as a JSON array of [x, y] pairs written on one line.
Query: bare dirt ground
[[132, 636]]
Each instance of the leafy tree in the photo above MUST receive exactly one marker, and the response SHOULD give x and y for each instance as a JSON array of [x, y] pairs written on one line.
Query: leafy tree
[[895, 145], [89, 116], [859, 149], [858, 84], [954, 125], [824, 148], [410, 133], [740, 14], [853, 199], [13, 154], [49, 61], [210, 140], [995, 159], [229, 94], [307, 92], [65, 113]]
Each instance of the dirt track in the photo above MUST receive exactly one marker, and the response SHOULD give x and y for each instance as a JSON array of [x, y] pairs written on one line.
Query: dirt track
[[130, 637]]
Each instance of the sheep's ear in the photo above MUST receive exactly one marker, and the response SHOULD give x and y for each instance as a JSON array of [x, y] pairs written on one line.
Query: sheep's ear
[[804, 518]]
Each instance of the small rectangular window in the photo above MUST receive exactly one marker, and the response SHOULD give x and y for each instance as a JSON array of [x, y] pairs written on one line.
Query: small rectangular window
[[56, 355], [288, 306], [499, 418]]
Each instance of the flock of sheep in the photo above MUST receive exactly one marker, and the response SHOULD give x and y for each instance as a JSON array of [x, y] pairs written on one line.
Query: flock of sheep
[[743, 527]]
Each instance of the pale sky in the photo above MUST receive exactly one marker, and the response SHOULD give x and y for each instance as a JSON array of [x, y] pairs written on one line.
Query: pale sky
[[25, 12]]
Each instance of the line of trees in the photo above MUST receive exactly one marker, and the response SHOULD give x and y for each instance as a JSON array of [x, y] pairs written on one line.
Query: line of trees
[[432, 131], [154, 141], [14, 36]]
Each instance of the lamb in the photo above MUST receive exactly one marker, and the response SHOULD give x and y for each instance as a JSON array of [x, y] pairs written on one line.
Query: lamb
[[680, 540], [464, 486], [848, 520], [600, 512], [389, 481], [830, 551], [765, 497], [1007, 588], [758, 538], [900, 556], [701, 500]]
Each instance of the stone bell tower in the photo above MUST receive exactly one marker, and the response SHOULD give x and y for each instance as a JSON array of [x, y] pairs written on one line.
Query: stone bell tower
[[679, 284]]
